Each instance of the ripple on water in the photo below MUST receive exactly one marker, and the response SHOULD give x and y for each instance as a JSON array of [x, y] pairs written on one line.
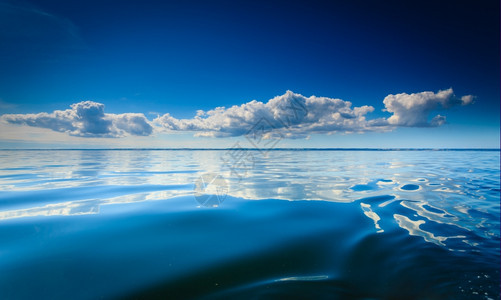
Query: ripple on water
[[410, 187], [361, 187], [375, 237]]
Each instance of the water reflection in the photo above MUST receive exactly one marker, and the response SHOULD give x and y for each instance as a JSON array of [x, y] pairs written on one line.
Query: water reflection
[[414, 229], [371, 214], [80, 182]]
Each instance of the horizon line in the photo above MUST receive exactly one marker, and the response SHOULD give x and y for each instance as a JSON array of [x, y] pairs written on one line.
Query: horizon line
[[259, 149]]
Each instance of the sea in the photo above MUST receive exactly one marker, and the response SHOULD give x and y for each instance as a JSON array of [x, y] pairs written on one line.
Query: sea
[[250, 224]]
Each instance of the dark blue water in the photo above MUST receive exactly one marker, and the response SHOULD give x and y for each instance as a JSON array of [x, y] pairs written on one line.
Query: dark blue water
[[288, 224]]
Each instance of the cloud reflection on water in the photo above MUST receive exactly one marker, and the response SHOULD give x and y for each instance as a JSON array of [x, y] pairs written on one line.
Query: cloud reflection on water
[[80, 182]]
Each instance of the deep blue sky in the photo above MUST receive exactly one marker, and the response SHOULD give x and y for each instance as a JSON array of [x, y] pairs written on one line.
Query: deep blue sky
[[180, 56]]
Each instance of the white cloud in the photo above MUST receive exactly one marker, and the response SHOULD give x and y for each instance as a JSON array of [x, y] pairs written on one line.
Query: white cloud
[[132, 123], [413, 110], [85, 119], [290, 115]]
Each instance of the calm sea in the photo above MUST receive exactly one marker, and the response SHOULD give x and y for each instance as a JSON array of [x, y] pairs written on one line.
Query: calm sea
[[242, 224]]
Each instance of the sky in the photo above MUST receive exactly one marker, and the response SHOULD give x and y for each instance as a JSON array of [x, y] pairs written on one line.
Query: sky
[[198, 74]]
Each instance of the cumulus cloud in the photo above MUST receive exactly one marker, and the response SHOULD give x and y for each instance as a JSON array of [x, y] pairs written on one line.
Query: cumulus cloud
[[413, 110], [85, 119], [287, 116], [295, 116]]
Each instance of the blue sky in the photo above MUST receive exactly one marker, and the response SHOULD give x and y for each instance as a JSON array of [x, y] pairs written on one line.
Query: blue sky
[[136, 61]]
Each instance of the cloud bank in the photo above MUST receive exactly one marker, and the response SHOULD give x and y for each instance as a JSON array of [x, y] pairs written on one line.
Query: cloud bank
[[86, 119], [290, 115], [294, 115]]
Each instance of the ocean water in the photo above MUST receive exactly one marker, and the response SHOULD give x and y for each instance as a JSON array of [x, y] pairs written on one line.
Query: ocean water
[[242, 224]]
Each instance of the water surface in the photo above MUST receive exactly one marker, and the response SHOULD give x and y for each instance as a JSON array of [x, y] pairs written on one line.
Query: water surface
[[87, 224]]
